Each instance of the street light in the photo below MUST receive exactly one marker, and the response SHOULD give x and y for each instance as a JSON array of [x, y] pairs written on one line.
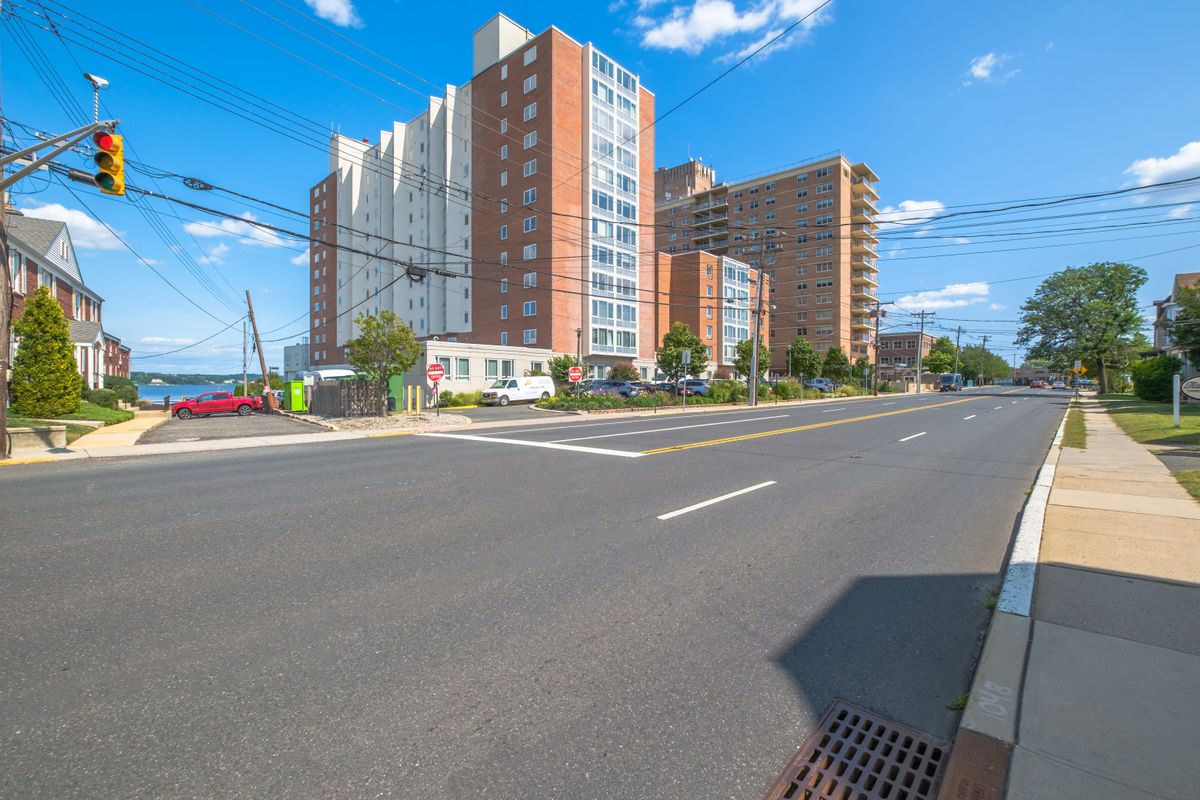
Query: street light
[[97, 83]]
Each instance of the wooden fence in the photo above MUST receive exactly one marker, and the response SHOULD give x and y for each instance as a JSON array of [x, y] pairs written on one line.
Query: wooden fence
[[349, 399]]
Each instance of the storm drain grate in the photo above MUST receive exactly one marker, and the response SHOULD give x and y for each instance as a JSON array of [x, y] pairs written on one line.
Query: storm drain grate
[[857, 755]]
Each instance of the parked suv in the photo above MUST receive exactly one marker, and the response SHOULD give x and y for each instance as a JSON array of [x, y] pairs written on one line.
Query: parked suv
[[624, 389], [695, 386], [821, 384]]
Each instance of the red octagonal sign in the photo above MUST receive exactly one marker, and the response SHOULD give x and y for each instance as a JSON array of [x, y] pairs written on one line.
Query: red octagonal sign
[[575, 374], [435, 373]]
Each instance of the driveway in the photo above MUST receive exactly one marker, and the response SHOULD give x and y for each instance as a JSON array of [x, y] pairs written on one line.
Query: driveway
[[516, 412], [225, 426]]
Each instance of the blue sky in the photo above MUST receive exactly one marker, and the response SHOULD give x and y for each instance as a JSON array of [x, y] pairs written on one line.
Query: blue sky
[[951, 103]]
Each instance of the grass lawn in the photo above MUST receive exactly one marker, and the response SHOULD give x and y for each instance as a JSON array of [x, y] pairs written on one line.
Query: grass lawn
[[73, 431], [1151, 423], [109, 416], [1075, 434], [1190, 480], [1116, 396]]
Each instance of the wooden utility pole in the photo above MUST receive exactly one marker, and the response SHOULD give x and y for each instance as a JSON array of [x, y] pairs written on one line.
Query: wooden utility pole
[[5, 322], [268, 398], [957, 340], [921, 344]]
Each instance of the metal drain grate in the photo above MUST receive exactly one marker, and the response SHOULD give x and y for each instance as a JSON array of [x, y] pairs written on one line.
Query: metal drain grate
[[857, 755]]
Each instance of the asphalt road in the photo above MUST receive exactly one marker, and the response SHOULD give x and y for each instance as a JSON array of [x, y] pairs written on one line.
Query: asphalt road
[[494, 617]]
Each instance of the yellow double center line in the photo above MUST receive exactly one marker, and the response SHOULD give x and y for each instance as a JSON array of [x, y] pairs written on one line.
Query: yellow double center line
[[780, 431]]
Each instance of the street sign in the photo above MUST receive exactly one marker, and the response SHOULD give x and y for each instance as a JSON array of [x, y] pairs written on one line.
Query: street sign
[[575, 374], [685, 357], [1192, 388], [1081, 369], [1078, 365], [435, 373]]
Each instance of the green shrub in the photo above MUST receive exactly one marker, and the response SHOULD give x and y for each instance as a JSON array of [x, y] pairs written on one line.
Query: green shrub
[[623, 372], [466, 398], [727, 391], [786, 390], [102, 397], [585, 402], [1152, 377], [721, 374], [127, 391], [651, 400], [846, 390]]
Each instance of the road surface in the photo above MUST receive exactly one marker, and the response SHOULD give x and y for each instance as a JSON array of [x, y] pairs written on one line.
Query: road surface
[[659, 607]]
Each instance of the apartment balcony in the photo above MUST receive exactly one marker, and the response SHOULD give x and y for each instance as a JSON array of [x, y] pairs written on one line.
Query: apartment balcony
[[709, 233], [867, 232], [864, 199], [863, 262], [705, 220], [865, 186], [862, 308], [863, 247], [863, 277], [860, 337], [861, 213], [861, 324], [859, 291], [716, 202]]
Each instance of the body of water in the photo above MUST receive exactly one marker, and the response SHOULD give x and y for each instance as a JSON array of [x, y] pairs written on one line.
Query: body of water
[[157, 392]]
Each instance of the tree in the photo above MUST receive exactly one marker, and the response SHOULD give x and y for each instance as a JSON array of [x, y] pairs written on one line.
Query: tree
[[982, 365], [1083, 313], [45, 377], [836, 366], [623, 372], [255, 386], [385, 346], [670, 355], [862, 370], [560, 368], [941, 356], [805, 360], [1184, 330], [1152, 377], [745, 353]]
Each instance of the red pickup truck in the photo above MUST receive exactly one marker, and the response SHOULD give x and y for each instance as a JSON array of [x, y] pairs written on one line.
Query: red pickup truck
[[216, 403]]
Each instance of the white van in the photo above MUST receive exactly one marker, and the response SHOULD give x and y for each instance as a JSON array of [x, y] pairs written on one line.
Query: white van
[[511, 390]]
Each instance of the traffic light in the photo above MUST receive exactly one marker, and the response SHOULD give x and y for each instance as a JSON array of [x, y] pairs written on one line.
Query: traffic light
[[111, 161]]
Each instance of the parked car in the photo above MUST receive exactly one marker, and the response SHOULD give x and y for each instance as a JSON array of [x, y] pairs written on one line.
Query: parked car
[[624, 389], [646, 388], [580, 387], [1058, 385], [821, 384], [664, 387], [509, 390], [694, 386], [208, 403], [950, 382], [1037, 384]]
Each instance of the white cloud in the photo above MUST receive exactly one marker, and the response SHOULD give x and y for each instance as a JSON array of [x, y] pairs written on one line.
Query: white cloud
[[692, 28], [241, 228], [163, 340], [339, 12], [215, 254], [1180, 211], [151, 262], [1184, 163], [956, 295], [987, 68], [301, 259], [86, 233], [996, 307], [961, 240], [910, 212]]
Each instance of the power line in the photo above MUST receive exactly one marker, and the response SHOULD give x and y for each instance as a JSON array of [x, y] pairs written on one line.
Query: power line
[[193, 344]]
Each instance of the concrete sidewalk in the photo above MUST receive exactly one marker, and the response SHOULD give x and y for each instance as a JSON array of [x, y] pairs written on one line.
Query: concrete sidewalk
[[1093, 688]]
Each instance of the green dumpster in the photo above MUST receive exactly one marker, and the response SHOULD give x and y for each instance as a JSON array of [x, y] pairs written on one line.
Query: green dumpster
[[293, 396]]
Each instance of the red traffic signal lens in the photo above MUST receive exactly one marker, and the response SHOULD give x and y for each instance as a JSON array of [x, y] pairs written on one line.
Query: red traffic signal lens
[[104, 140], [105, 181]]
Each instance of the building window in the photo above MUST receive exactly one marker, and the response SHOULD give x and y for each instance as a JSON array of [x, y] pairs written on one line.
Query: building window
[[708, 312], [504, 152], [530, 84], [491, 369], [503, 181], [822, 172], [464, 369], [504, 286], [503, 99], [530, 336], [530, 280], [708, 331], [529, 308], [529, 140], [530, 167], [824, 188], [504, 125], [530, 111], [529, 196], [530, 55], [503, 232], [529, 224], [503, 311], [504, 258], [504, 72], [504, 340], [529, 252]]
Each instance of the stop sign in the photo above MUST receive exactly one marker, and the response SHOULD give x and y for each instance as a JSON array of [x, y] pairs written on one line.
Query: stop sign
[[435, 373], [575, 374]]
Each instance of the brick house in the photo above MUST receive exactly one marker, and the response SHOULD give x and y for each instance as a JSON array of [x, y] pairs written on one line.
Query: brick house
[[41, 254]]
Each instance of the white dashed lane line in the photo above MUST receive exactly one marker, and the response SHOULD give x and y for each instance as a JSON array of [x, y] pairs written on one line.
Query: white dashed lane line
[[970, 417], [915, 435], [715, 500]]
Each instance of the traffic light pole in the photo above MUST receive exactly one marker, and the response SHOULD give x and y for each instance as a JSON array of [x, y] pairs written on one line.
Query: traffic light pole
[[64, 143]]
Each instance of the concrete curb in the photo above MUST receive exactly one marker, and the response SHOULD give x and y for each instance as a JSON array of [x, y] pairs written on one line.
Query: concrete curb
[[988, 726]]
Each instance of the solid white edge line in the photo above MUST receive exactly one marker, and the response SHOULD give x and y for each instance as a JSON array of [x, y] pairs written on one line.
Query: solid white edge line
[[547, 445], [915, 435], [970, 417], [676, 428], [1016, 594], [715, 500]]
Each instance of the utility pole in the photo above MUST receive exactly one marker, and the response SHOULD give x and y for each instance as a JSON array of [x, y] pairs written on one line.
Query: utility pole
[[5, 320], [921, 345], [245, 357], [878, 313], [757, 323], [957, 339], [269, 399], [982, 356]]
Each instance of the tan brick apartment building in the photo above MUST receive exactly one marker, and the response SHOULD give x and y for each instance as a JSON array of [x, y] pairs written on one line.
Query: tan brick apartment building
[[811, 227]]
